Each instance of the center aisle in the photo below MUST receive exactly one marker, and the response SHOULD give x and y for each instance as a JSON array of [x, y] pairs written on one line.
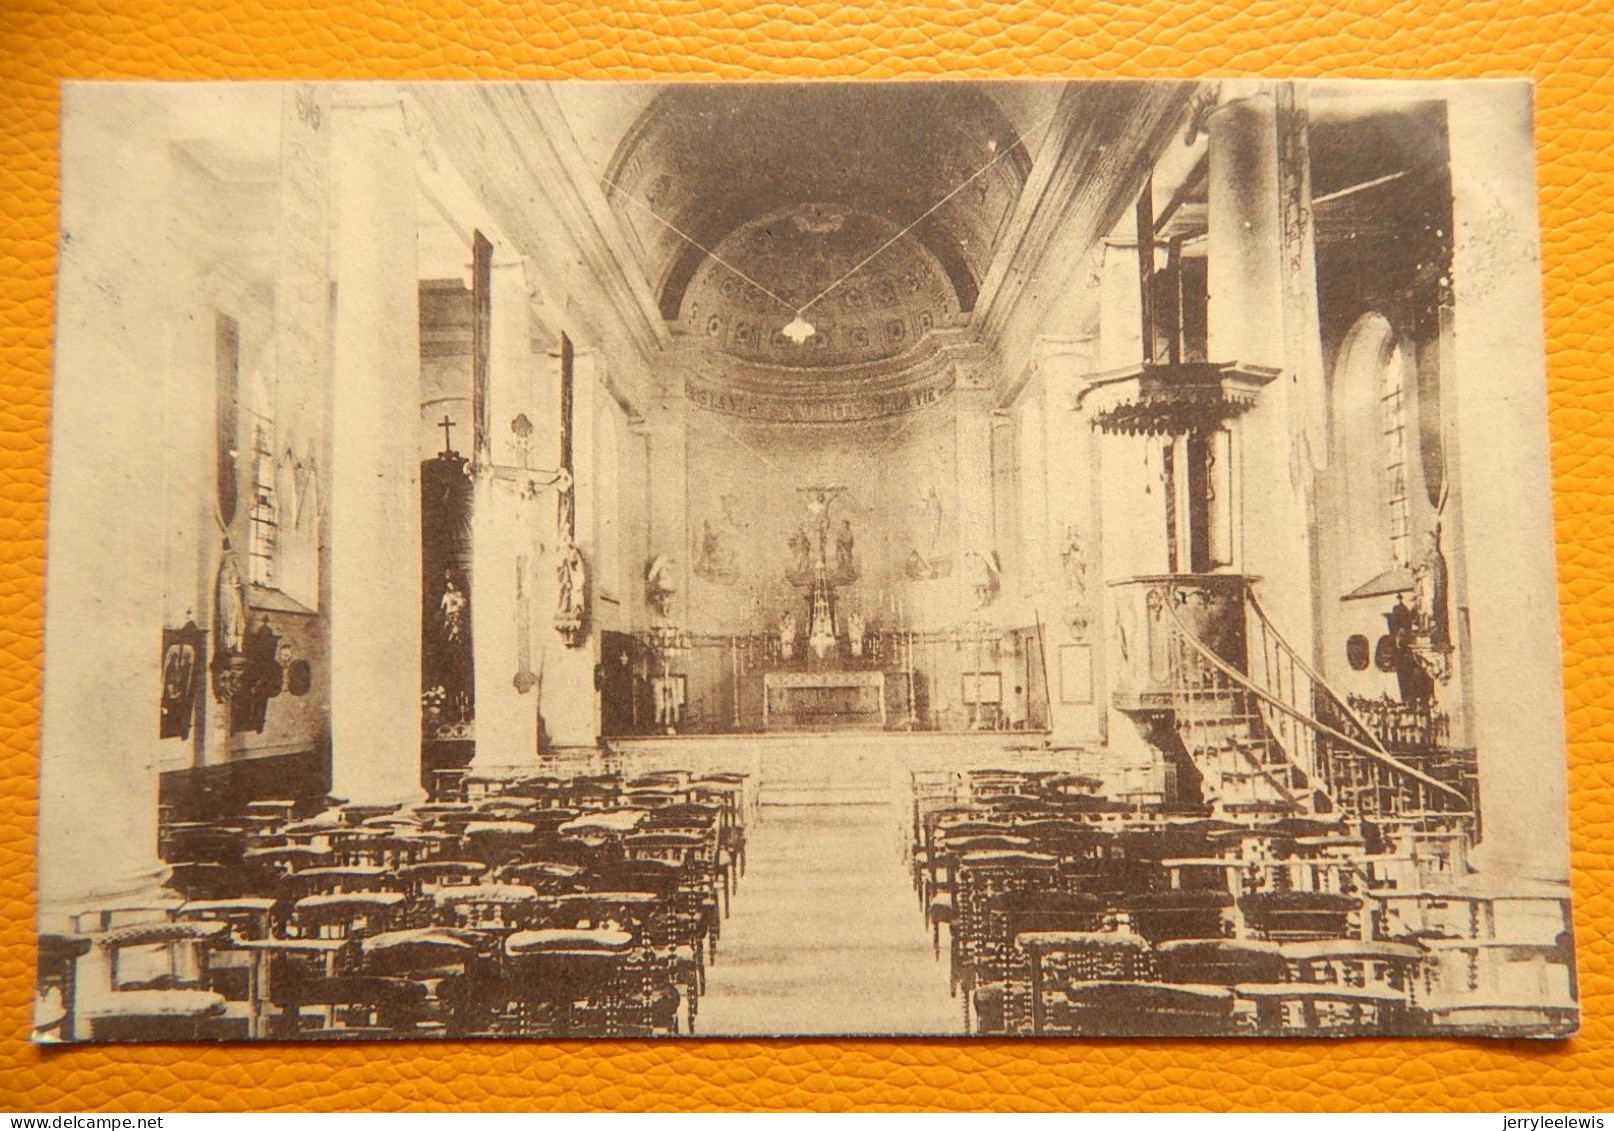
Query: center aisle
[[826, 935]]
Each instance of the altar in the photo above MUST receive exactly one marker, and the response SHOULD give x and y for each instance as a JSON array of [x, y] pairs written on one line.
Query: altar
[[823, 700]]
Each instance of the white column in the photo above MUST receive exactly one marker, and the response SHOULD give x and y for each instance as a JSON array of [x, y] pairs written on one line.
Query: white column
[[973, 470], [570, 699], [1245, 282], [635, 522], [510, 524], [1120, 311], [508, 618], [1502, 479], [108, 510], [1072, 617], [375, 507], [1248, 297], [668, 492], [1038, 553]]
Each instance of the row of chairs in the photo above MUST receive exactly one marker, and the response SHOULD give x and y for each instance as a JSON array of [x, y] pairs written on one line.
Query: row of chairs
[[1068, 912], [587, 906]]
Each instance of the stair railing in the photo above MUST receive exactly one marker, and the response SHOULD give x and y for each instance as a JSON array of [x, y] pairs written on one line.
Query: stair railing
[[1353, 769], [1212, 707]]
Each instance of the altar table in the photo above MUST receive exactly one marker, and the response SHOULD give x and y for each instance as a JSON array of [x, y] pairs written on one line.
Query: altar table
[[823, 700]]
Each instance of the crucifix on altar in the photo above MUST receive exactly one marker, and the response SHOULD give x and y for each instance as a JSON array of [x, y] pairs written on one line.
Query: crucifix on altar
[[818, 502], [814, 568]]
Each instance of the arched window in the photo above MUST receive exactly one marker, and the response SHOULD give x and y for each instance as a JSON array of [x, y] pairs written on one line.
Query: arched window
[[1373, 402], [1393, 413]]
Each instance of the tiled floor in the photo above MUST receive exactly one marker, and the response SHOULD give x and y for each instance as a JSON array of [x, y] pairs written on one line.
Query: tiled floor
[[826, 935]]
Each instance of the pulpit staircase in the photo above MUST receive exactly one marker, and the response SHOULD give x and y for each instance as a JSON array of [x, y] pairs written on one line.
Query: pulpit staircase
[[1274, 737]]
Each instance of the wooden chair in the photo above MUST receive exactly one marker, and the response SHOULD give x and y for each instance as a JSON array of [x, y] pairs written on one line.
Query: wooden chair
[[496, 842], [979, 877], [55, 992], [157, 986], [1144, 1009], [1059, 960], [1188, 914], [352, 1007], [1292, 916], [485, 907], [203, 842], [556, 982], [546, 877], [924, 847], [696, 899], [343, 915], [337, 879], [1220, 962], [232, 969], [1003, 970], [440, 872]]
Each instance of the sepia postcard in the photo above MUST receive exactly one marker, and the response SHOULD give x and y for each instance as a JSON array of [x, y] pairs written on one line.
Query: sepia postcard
[[579, 559]]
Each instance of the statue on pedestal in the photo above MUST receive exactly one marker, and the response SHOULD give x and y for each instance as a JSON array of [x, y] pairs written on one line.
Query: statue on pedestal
[[855, 633], [787, 636], [1431, 611], [572, 602], [800, 571], [1430, 581], [845, 569], [926, 562], [660, 584], [982, 574], [1073, 562]]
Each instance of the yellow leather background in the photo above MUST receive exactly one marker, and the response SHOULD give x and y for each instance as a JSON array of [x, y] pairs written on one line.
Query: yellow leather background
[[1567, 46]]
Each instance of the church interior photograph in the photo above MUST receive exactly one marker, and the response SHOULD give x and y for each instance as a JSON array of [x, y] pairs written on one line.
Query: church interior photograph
[[1041, 558]]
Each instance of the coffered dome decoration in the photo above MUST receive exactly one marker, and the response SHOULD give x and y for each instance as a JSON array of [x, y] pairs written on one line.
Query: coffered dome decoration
[[882, 311], [703, 160]]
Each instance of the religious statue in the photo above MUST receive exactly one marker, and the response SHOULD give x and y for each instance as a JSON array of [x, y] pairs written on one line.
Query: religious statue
[[926, 562], [981, 573], [801, 554], [660, 585], [262, 678], [931, 507], [787, 636], [1074, 562], [451, 610], [845, 570], [716, 561], [572, 602], [229, 628], [1430, 581], [854, 633], [818, 507], [230, 607], [1397, 652]]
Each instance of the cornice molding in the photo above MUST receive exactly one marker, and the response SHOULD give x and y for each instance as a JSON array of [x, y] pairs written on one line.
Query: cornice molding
[[1102, 146], [512, 145]]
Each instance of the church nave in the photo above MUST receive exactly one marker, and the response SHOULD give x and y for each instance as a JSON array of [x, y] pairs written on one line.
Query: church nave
[[825, 937], [582, 559]]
